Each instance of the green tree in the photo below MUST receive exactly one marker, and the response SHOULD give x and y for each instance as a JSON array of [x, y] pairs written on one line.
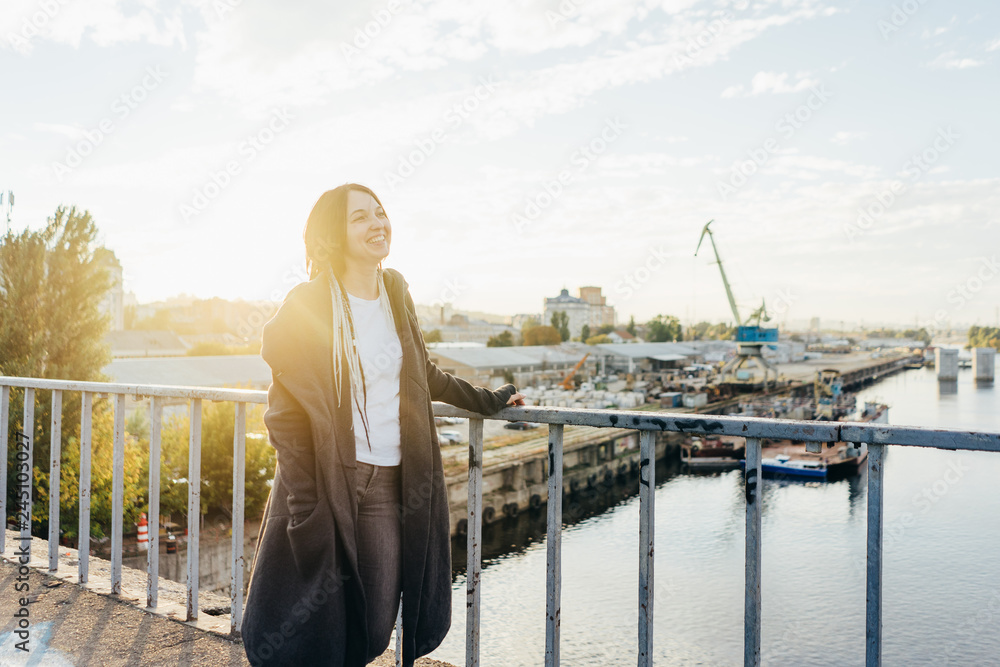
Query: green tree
[[217, 428], [51, 284], [433, 336], [984, 337], [708, 331], [135, 480], [503, 339], [663, 328], [542, 335], [560, 322], [598, 339], [631, 325], [585, 332], [530, 323]]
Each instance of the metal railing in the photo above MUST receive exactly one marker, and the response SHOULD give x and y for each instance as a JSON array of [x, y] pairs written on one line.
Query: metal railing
[[156, 394], [648, 424]]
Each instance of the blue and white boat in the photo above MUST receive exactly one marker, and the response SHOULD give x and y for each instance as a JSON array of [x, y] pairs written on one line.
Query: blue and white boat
[[784, 466]]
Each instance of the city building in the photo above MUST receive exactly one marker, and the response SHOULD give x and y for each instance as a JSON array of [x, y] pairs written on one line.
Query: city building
[[601, 314], [113, 302], [589, 308]]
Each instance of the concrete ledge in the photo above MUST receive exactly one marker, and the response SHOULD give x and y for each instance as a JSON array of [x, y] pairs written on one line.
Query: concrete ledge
[[74, 624]]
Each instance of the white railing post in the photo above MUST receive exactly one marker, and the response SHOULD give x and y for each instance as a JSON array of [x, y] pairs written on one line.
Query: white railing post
[[474, 568], [153, 555], [4, 425], [553, 547], [754, 487], [118, 495], [83, 531], [239, 494], [55, 456], [28, 424], [873, 629], [647, 493], [194, 508]]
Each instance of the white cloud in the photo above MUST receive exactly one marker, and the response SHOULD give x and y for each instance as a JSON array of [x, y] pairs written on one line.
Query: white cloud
[[951, 60], [994, 45], [843, 137], [771, 82], [69, 131], [105, 22]]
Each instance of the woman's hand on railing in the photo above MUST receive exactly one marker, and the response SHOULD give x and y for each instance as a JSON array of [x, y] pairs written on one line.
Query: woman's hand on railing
[[516, 399]]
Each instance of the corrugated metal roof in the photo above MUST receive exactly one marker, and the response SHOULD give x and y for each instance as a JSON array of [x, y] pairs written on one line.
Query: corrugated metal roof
[[643, 350], [218, 371], [506, 357], [668, 357]]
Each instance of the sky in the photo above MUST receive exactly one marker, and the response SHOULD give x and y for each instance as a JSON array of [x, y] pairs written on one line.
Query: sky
[[846, 151]]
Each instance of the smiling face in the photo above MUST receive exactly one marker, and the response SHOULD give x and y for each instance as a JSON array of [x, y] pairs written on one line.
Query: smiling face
[[368, 229]]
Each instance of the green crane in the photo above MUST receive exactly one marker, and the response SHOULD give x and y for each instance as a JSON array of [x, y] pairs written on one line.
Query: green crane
[[757, 316], [718, 260]]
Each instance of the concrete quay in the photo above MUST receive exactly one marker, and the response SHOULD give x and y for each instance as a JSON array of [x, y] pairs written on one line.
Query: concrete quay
[[515, 475]]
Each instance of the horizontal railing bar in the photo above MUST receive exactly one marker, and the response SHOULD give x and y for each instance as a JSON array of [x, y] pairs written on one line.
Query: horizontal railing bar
[[880, 434], [141, 390], [734, 425], [744, 427]]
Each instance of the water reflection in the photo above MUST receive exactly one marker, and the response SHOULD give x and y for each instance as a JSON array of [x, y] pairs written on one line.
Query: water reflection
[[947, 387]]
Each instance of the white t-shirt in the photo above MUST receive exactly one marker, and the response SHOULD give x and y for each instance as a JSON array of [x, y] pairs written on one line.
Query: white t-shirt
[[382, 361]]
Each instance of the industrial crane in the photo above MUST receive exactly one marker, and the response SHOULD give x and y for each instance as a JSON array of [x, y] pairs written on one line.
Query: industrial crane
[[750, 335], [567, 382]]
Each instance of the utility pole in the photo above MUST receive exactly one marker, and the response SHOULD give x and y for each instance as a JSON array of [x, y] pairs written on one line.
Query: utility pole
[[7, 204]]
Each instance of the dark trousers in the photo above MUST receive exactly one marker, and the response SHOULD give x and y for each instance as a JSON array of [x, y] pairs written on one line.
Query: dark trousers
[[380, 550]]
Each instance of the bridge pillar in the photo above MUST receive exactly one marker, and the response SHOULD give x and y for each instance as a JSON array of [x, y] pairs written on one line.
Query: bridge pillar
[[946, 363], [983, 362]]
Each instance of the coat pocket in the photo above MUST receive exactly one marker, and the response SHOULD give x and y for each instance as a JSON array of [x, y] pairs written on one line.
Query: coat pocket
[[290, 618], [311, 538]]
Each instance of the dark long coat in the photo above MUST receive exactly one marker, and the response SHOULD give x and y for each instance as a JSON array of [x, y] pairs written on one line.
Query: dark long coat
[[305, 605]]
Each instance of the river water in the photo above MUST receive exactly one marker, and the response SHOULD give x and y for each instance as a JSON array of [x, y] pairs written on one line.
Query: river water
[[941, 585]]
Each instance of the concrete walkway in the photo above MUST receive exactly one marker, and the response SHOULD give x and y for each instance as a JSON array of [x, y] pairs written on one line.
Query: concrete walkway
[[69, 625]]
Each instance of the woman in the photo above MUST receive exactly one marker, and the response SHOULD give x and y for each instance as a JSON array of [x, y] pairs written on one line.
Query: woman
[[358, 512]]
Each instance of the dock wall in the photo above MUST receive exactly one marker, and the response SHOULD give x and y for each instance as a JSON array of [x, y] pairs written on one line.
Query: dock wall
[[518, 484]]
